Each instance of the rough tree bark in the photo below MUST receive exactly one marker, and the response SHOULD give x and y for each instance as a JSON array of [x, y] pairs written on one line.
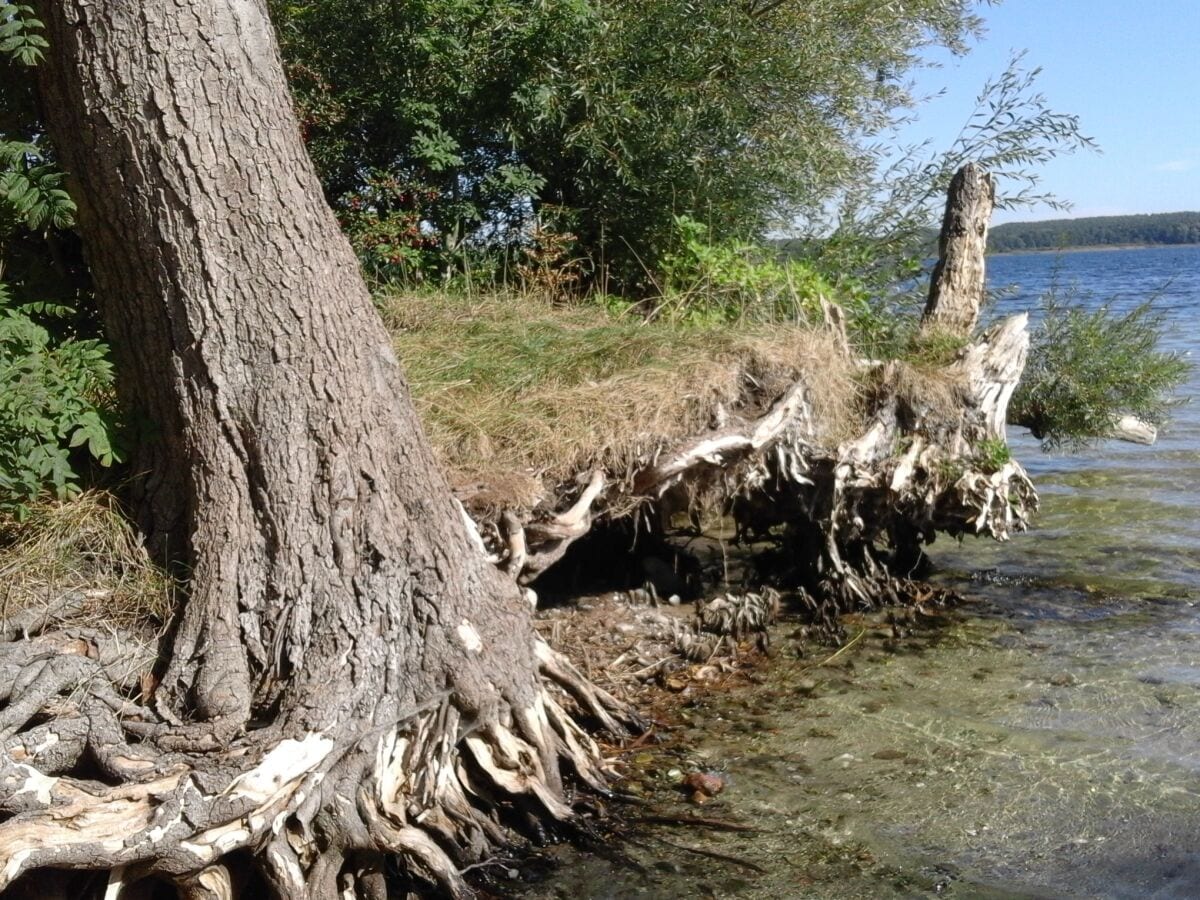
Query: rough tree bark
[[349, 677]]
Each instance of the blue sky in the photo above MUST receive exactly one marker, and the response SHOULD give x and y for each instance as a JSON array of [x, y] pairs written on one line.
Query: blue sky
[[1130, 69]]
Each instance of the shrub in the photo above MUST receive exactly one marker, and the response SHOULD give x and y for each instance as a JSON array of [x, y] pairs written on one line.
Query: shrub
[[382, 219], [1087, 368], [55, 403], [707, 282]]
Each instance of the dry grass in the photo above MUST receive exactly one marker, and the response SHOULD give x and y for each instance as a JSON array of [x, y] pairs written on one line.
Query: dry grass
[[82, 545], [924, 376], [517, 393], [514, 390], [936, 394]]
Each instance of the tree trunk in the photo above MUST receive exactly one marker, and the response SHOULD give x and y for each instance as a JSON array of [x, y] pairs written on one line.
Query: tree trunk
[[958, 286], [935, 457], [349, 676]]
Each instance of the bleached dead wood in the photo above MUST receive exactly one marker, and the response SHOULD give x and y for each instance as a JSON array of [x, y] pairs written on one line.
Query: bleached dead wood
[[958, 285], [535, 545], [791, 414], [1134, 430]]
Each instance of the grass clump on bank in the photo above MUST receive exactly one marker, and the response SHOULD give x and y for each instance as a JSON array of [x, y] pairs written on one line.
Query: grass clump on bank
[[519, 393], [516, 390], [84, 546]]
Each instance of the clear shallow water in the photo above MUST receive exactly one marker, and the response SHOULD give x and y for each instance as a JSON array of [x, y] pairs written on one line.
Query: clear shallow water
[[1044, 741]]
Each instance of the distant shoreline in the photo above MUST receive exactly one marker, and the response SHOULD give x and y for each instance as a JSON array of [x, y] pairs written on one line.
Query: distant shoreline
[[1085, 248], [1113, 232]]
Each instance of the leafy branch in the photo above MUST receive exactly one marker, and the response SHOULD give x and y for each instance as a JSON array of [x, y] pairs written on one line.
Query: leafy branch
[[1087, 368], [19, 37], [1010, 133], [31, 188]]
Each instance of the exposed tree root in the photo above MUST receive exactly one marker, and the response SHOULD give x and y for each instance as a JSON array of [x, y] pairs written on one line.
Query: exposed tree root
[[35, 618], [94, 777], [439, 787], [730, 457], [435, 788], [852, 518]]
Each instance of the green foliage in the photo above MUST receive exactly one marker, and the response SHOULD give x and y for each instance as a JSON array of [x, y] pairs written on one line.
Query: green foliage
[[1097, 231], [737, 114], [55, 386], [19, 37], [42, 259], [382, 221], [934, 348], [626, 113], [1086, 368], [887, 221], [55, 404], [31, 192], [706, 282], [991, 454], [422, 92], [950, 469]]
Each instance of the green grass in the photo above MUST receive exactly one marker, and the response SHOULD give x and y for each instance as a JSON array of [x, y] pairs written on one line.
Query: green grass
[[991, 454]]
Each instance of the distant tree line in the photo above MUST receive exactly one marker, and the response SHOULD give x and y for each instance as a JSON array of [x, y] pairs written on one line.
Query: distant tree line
[[1097, 231]]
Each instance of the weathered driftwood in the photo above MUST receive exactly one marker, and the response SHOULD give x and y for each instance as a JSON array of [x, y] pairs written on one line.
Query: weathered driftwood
[[1126, 428], [1134, 430], [958, 285], [855, 512], [934, 457]]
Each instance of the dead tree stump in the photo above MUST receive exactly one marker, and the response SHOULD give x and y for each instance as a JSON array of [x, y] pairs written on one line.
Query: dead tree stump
[[850, 518], [958, 285]]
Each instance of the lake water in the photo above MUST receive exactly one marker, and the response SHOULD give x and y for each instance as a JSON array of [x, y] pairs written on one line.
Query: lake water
[[1043, 741]]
